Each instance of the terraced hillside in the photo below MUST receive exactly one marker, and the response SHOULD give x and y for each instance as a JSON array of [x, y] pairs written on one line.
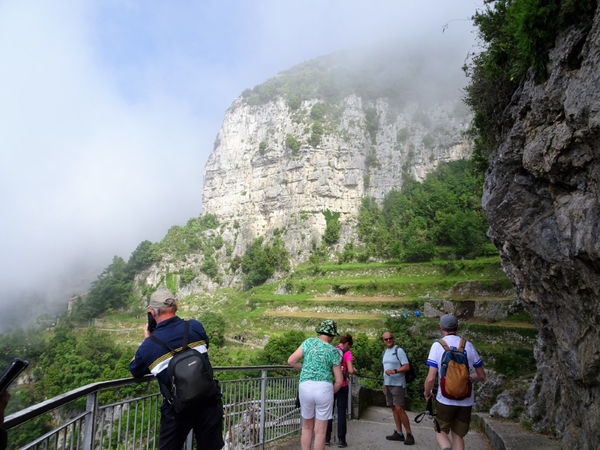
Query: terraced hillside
[[365, 299], [361, 297]]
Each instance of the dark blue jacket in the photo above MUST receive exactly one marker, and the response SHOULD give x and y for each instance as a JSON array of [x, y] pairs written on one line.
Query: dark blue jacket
[[149, 355]]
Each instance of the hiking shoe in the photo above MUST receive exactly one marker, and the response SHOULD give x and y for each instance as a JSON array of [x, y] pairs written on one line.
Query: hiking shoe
[[410, 439], [396, 437], [343, 444]]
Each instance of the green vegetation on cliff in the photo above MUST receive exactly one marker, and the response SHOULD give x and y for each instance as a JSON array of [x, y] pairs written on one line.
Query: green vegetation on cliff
[[440, 217], [517, 36]]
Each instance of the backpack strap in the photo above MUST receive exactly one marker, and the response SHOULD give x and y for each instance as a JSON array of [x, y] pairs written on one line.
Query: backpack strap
[[443, 343], [186, 335], [461, 346], [395, 352], [184, 345], [162, 344]]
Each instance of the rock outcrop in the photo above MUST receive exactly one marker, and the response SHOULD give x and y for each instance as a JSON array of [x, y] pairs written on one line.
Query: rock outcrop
[[314, 141], [253, 177], [542, 198]]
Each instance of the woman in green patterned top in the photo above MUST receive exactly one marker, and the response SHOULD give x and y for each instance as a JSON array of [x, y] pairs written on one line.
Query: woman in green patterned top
[[320, 377]]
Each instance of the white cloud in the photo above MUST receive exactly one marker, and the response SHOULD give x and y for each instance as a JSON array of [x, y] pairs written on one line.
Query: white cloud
[[109, 109]]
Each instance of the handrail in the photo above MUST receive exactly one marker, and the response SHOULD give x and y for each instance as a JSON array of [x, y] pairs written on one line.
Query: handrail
[[48, 405], [253, 416]]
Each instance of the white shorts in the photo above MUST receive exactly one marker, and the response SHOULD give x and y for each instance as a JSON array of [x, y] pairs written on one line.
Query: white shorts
[[316, 399]]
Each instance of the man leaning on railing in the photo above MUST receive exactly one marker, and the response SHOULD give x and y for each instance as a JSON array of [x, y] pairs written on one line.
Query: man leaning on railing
[[205, 418]]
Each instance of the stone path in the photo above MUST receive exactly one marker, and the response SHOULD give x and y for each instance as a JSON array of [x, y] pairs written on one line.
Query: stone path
[[368, 433]]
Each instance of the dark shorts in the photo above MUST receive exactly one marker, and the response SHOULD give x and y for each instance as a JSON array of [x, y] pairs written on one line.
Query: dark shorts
[[453, 418], [394, 395], [207, 424]]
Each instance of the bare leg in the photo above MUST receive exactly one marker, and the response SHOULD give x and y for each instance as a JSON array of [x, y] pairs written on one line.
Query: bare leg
[[404, 419], [458, 443], [442, 439], [397, 420], [320, 431], [308, 426]]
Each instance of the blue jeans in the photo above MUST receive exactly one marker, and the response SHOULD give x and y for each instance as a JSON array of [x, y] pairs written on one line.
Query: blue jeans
[[341, 400]]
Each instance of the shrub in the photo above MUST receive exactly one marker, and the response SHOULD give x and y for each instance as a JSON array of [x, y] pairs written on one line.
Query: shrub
[[317, 112], [372, 123], [332, 229], [209, 267], [262, 147], [292, 143], [261, 261]]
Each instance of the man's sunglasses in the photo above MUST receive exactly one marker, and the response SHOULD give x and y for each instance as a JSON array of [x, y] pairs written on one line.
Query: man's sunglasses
[[388, 339]]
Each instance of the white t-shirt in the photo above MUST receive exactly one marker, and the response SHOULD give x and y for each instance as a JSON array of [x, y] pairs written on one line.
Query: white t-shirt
[[435, 360]]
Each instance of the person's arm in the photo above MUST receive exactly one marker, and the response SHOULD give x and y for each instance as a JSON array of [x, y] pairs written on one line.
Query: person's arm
[[479, 375], [403, 368], [348, 358], [350, 367], [429, 382], [137, 366], [294, 359], [339, 378]]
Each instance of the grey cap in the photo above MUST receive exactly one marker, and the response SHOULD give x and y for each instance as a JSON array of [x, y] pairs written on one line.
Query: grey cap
[[161, 299], [449, 322]]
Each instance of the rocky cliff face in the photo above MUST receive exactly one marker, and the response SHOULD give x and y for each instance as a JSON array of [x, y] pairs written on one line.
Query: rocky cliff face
[[542, 197], [261, 180]]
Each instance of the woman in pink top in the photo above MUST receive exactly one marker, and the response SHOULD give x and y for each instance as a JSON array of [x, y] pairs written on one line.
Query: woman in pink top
[[341, 396]]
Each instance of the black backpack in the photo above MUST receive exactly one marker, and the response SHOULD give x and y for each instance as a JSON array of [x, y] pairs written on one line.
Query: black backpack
[[191, 375], [411, 375]]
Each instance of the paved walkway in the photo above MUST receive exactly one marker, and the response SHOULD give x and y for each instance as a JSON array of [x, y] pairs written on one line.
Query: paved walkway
[[368, 433]]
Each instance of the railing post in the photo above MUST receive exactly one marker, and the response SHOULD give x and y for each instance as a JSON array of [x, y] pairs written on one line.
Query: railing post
[[91, 407], [263, 406]]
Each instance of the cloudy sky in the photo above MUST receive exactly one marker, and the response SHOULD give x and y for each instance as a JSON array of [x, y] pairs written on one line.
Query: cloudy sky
[[109, 109]]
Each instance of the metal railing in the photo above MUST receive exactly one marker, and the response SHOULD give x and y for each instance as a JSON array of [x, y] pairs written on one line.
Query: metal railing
[[125, 414]]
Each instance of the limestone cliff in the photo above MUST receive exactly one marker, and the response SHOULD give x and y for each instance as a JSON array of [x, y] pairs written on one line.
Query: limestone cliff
[[278, 166], [319, 137], [542, 198]]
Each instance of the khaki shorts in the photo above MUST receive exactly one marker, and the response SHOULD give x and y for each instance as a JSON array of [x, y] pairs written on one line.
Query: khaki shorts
[[394, 396], [455, 418]]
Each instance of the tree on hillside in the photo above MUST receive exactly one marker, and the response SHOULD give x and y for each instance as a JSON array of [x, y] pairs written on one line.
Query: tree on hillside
[[143, 256], [371, 228], [111, 290], [260, 261], [444, 211], [279, 348], [72, 361], [215, 325], [332, 228]]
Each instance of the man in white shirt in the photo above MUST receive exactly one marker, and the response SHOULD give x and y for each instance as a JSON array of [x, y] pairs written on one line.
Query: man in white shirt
[[452, 415]]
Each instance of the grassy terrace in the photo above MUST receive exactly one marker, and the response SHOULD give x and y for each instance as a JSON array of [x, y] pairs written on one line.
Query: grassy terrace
[[362, 298]]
